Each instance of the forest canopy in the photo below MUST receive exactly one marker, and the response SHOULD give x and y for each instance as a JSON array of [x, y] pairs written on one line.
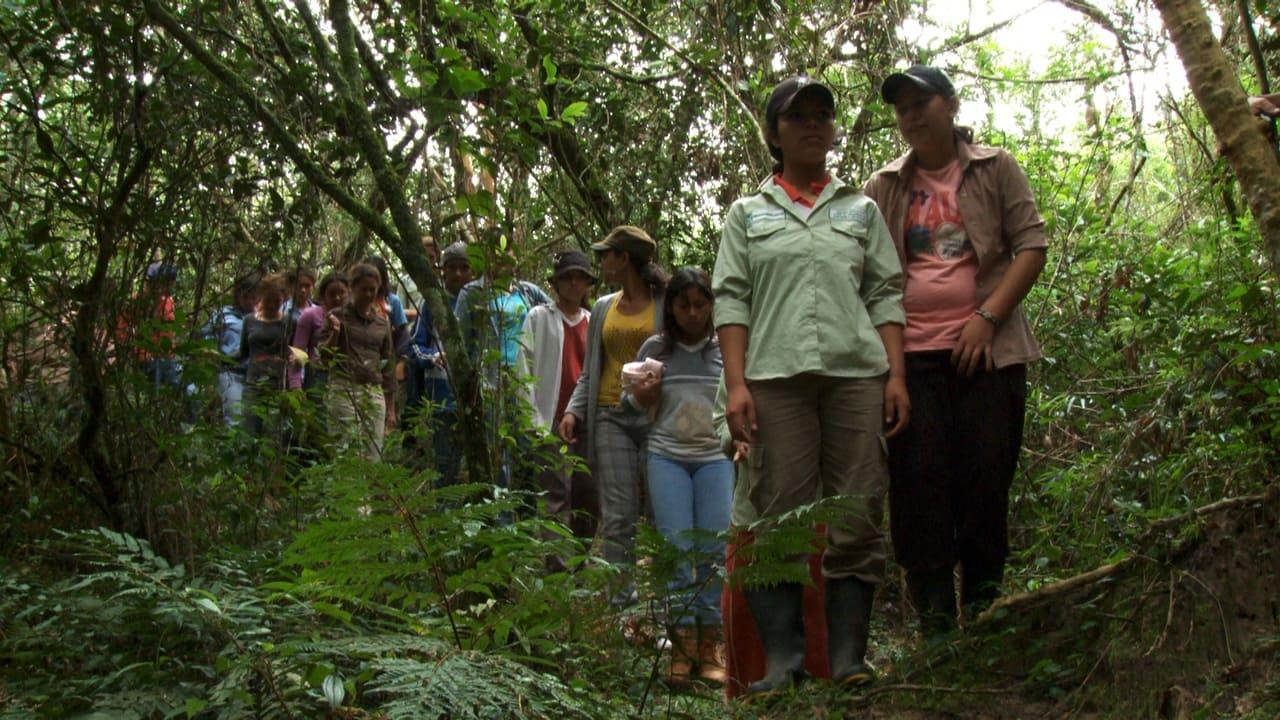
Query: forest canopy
[[159, 563]]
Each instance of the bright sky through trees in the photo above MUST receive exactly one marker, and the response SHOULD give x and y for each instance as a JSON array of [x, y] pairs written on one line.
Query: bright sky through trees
[[1039, 36]]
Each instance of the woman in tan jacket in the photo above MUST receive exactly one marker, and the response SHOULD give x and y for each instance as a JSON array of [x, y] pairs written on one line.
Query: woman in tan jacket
[[972, 244]]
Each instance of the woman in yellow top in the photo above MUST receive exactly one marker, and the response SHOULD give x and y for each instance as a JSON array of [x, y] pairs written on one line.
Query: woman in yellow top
[[620, 323]]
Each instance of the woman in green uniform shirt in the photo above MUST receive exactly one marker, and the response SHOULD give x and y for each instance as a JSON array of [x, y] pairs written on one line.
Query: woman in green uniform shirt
[[809, 310]]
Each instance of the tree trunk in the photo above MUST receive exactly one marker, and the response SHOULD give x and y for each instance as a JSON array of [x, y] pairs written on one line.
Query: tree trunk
[[1214, 84]]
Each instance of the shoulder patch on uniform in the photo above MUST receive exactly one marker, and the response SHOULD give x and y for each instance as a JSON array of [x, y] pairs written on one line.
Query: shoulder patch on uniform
[[857, 214], [765, 215]]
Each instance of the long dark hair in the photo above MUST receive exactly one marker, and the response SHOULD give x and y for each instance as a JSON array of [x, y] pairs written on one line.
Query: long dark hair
[[336, 276], [684, 278], [651, 272], [246, 284]]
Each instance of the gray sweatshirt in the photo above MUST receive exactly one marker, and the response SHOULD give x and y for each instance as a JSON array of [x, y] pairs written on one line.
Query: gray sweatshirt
[[682, 428]]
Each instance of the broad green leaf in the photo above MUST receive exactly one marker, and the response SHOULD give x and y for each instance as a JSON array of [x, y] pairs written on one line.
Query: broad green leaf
[[574, 111], [195, 706], [465, 81]]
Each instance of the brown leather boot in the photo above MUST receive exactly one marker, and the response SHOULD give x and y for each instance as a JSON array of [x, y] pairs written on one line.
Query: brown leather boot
[[711, 656], [684, 652]]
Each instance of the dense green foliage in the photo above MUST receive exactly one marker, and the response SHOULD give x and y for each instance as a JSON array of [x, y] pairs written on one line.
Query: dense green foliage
[[158, 565]]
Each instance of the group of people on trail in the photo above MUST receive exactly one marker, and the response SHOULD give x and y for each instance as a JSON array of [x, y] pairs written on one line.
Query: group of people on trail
[[345, 342], [851, 344]]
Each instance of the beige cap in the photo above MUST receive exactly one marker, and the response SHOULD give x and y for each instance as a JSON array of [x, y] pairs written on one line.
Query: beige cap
[[629, 239]]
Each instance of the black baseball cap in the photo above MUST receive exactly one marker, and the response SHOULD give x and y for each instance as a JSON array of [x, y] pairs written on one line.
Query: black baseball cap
[[161, 271], [926, 77], [784, 94], [788, 90], [570, 260]]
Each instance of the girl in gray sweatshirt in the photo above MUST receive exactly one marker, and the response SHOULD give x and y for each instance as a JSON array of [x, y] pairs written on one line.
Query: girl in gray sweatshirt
[[690, 479]]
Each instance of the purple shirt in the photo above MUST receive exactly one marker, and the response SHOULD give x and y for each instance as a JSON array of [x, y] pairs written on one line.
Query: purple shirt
[[306, 337]]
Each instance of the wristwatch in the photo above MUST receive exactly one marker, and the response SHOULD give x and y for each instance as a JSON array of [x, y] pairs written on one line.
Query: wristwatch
[[988, 316]]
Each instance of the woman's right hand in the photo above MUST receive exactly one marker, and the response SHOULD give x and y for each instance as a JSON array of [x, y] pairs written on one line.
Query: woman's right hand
[[568, 427], [740, 411], [1264, 106], [334, 323], [648, 391]]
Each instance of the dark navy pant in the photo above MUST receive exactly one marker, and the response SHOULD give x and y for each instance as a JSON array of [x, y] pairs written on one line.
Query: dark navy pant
[[951, 469]]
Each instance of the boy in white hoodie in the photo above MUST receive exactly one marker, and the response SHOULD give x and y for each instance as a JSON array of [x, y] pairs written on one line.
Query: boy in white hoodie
[[552, 352]]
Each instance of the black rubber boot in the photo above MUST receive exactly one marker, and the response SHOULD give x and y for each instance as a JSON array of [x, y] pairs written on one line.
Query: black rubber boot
[[979, 587], [779, 616], [848, 627], [933, 593]]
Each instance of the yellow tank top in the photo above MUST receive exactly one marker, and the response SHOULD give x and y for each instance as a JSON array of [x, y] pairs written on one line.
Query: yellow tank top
[[622, 336]]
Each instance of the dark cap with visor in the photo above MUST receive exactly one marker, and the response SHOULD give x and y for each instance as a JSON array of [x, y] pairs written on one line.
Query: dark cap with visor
[[456, 251], [571, 260], [788, 90], [928, 78], [784, 95]]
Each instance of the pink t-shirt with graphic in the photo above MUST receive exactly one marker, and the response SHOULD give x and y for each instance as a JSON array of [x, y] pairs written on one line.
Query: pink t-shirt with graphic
[[942, 268]]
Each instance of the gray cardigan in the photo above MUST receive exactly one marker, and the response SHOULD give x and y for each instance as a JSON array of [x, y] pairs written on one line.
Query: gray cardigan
[[584, 403]]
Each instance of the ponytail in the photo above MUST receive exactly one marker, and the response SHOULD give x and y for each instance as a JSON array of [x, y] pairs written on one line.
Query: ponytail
[[652, 274], [965, 133]]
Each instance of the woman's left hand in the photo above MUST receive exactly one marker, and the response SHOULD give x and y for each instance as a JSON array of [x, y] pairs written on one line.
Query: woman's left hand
[[897, 406], [974, 347], [391, 418]]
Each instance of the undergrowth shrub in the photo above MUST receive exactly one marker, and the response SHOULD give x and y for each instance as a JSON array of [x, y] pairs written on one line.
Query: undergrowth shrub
[[444, 616], [1158, 393]]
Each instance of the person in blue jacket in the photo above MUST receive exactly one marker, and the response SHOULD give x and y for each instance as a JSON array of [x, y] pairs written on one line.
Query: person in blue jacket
[[428, 376], [225, 327]]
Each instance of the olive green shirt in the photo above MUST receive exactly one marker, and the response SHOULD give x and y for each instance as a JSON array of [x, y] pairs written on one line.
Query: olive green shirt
[[810, 290]]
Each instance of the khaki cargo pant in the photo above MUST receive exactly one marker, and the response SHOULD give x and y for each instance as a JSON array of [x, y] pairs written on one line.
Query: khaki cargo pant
[[820, 437], [357, 416]]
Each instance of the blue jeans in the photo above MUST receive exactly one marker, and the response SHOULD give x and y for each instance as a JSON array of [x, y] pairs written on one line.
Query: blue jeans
[[231, 391], [693, 496], [444, 443]]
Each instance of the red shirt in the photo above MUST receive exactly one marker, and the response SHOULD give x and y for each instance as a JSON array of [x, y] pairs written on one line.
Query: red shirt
[[573, 352], [795, 195], [162, 336]]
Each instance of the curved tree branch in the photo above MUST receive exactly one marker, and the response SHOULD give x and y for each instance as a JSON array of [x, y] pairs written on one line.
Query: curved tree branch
[[706, 72]]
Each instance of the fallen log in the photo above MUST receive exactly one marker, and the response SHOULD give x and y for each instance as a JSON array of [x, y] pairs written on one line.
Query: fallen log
[[1194, 613], [1151, 537]]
